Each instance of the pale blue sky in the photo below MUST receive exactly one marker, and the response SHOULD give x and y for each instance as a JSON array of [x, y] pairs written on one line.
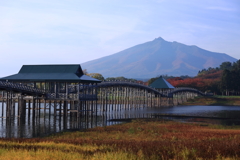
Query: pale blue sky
[[77, 31]]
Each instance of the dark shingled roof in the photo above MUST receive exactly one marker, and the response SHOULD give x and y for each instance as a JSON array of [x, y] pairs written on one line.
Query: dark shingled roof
[[70, 73], [161, 83], [67, 68]]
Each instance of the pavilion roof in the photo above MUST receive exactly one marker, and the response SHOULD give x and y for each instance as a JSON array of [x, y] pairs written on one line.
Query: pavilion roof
[[63, 72], [161, 83]]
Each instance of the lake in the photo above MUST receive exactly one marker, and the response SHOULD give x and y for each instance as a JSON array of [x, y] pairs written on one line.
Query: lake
[[44, 125]]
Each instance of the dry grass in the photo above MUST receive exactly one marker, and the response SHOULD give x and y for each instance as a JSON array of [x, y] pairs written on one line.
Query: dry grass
[[136, 140]]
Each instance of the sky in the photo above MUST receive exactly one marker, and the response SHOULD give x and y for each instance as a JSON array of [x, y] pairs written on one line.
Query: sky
[[77, 31]]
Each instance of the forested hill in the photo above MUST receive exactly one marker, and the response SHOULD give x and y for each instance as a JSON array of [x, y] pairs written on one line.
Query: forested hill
[[222, 80], [157, 57]]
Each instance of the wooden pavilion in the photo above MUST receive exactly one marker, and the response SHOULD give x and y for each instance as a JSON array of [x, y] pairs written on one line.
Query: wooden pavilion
[[66, 90], [161, 85], [58, 81]]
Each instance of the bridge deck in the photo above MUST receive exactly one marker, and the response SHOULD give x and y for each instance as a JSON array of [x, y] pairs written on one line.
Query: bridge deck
[[7, 86]]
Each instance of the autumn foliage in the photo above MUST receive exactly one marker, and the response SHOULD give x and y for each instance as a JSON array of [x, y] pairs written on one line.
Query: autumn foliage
[[204, 82], [225, 78]]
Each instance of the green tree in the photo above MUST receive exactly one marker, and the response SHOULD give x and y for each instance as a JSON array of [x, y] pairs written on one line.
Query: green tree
[[120, 79], [226, 81], [150, 81], [85, 72], [96, 76], [235, 79], [226, 65], [236, 65], [110, 79]]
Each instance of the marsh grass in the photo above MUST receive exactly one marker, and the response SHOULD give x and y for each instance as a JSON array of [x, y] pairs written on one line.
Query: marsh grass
[[214, 100], [224, 127], [218, 96], [139, 139]]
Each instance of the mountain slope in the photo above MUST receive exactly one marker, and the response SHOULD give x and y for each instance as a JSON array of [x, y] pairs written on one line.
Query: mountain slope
[[155, 58]]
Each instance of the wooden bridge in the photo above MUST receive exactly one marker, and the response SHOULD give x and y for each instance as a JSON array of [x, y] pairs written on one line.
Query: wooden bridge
[[18, 88], [62, 91], [31, 91], [118, 95], [79, 99], [166, 93]]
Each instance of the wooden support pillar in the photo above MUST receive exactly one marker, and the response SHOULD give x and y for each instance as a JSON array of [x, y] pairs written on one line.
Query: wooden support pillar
[[3, 105], [160, 100], [39, 108], [49, 109], [112, 98], [60, 114], [33, 109], [29, 109], [104, 99], [65, 109], [151, 100], [22, 108], [117, 99], [55, 108], [127, 98], [8, 105], [147, 98], [45, 108]]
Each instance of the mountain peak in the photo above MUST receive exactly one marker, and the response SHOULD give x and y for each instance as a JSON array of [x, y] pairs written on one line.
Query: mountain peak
[[157, 57], [159, 39]]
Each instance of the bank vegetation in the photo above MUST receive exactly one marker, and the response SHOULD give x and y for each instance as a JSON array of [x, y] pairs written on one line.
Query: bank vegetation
[[140, 139]]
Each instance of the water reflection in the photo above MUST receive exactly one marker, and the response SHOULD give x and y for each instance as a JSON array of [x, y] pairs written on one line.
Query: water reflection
[[225, 115], [46, 123]]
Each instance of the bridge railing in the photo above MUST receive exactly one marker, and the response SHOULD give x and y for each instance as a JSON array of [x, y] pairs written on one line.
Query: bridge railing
[[20, 88], [126, 82], [166, 92], [129, 83], [63, 96], [188, 88]]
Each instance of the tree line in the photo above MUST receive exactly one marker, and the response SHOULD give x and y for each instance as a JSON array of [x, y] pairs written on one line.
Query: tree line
[[222, 80], [230, 80]]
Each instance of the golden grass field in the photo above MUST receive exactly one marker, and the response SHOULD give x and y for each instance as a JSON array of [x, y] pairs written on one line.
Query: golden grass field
[[140, 139]]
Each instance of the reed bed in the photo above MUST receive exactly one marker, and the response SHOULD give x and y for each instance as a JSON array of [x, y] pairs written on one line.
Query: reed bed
[[140, 139]]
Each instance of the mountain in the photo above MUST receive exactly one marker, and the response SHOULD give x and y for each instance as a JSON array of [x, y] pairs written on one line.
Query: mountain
[[154, 58]]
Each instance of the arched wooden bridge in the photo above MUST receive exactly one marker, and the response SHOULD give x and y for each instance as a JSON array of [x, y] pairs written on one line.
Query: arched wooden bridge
[[166, 93], [117, 95], [18, 88], [108, 96], [109, 86]]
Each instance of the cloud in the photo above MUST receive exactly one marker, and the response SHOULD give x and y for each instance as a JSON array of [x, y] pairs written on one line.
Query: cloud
[[221, 8]]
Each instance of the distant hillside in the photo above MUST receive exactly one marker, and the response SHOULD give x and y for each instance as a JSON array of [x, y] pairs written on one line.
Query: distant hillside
[[157, 57]]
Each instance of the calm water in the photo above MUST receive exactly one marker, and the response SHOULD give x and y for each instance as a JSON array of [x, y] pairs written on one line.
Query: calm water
[[49, 124], [225, 115]]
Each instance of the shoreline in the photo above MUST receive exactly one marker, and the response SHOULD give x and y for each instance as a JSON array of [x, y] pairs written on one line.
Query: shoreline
[[157, 116], [214, 101]]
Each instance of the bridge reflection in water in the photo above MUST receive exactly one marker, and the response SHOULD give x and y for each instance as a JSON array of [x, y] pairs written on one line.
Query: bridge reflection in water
[[46, 122], [26, 112]]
